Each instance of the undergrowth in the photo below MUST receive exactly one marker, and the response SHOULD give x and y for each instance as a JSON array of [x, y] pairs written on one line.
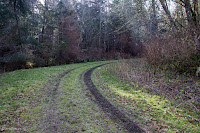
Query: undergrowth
[[159, 101], [173, 51]]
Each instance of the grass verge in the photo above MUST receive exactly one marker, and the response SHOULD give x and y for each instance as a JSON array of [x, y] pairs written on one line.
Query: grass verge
[[153, 112]]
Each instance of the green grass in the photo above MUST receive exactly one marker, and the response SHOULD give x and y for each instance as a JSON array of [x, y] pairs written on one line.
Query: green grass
[[25, 103], [82, 113], [24, 106], [19, 89], [152, 112]]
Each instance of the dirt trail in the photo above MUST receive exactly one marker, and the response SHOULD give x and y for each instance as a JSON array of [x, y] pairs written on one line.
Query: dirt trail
[[116, 114], [51, 121]]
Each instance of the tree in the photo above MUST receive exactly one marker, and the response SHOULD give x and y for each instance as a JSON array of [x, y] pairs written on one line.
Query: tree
[[14, 31], [154, 28], [166, 9], [192, 13]]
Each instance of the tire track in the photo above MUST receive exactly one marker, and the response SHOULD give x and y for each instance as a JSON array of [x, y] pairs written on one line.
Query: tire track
[[50, 120], [116, 114]]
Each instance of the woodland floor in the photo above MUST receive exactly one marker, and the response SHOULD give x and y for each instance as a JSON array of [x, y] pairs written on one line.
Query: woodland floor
[[69, 98]]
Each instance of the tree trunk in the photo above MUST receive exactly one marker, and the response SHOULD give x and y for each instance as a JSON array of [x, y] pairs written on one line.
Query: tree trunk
[[193, 24], [154, 23], [197, 43], [165, 7], [100, 24], [17, 23]]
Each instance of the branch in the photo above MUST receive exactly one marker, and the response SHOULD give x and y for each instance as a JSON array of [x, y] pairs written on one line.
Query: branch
[[165, 7]]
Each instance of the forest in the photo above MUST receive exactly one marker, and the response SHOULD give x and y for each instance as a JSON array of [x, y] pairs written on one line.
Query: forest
[[100, 66], [36, 33]]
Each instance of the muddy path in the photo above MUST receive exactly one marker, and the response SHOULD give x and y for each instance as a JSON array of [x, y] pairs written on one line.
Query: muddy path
[[114, 112]]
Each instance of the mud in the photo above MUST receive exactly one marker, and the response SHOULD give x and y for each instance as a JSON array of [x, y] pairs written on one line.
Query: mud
[[116, 114]]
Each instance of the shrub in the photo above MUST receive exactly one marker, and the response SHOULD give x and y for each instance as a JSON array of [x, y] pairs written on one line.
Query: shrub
[[173, 53], [102, 59], [15, 61], [117, 58], [39, 62], [79, 60], [117, 55], [94, 54]]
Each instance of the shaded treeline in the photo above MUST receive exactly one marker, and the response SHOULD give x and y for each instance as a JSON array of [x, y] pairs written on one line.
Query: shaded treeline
[[64, 31]]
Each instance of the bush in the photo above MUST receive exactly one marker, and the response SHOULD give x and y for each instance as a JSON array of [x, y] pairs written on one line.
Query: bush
[[173, 53], [39, 62], [79, 60], [15, 61], [117, 58], [103, 59], [117, 55], [94, 54]]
